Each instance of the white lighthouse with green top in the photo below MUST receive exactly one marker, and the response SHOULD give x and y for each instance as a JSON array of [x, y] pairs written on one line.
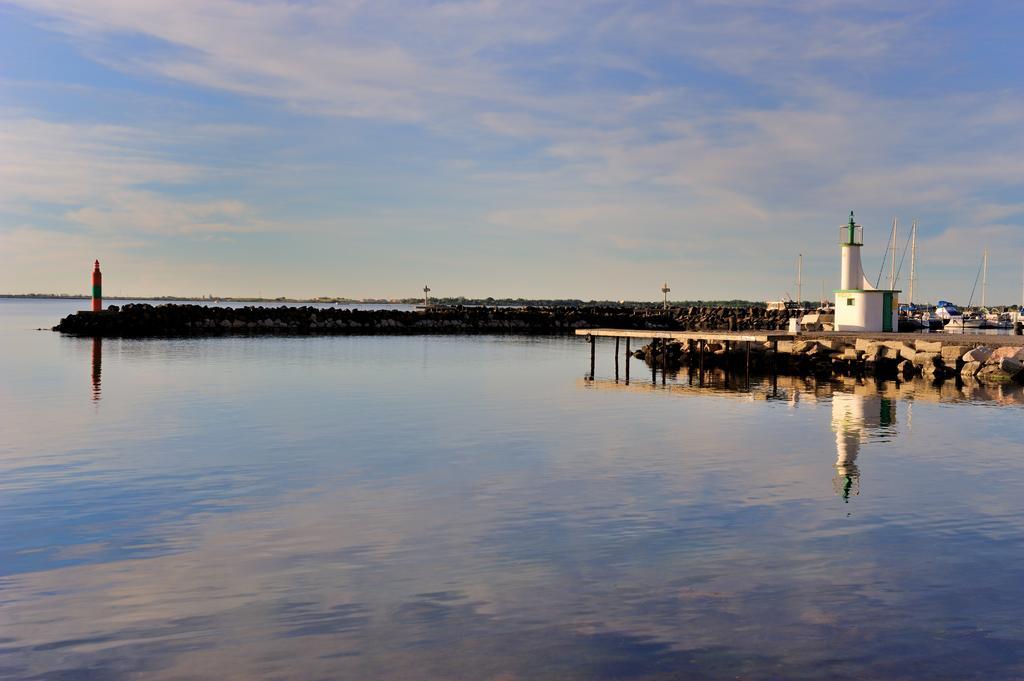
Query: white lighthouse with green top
[[859, 305]]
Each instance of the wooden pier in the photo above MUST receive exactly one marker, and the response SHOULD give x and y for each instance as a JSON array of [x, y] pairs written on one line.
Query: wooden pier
[[700, 338]]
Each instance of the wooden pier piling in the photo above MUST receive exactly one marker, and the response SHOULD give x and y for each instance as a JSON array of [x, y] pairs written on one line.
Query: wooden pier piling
[[628, 357], [592, 343], [654, 360], [617, 358]]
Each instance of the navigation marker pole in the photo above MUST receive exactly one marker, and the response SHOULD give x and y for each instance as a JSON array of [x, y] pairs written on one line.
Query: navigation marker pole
[[97, 288]]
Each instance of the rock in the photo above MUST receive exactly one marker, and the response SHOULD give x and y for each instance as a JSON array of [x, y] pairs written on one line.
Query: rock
[[951, 354], [890, 353], [907, 352], [866, 344], [928, 346], [991, 373], [906, 369], [921, 359], [1010, 365], [1014, 353], [970, 369], [872, 350], [802, 347], [978, 354]]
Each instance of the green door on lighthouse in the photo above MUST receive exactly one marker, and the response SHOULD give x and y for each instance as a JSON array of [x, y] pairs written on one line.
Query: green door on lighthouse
[[887, 311]]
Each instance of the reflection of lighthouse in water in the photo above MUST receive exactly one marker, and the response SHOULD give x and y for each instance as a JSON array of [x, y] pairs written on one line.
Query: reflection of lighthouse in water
[[854, 417]]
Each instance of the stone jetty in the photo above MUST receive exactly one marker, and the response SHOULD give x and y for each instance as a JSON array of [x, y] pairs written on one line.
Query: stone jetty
[[144, 320], [936, 357]]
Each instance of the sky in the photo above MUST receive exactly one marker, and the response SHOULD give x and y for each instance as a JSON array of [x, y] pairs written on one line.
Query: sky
[[582, 149]]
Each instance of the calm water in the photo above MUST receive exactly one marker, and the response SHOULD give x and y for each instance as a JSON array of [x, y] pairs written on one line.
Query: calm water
[[472, 508]]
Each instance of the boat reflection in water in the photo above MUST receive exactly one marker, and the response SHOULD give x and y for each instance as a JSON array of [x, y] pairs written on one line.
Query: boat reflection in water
[[855, 417]]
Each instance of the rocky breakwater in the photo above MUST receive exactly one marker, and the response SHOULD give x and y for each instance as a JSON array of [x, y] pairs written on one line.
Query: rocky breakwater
[[932, 359], [141, 320], [726, 319]]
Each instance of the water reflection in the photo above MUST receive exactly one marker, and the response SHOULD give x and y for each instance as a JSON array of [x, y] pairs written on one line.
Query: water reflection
[[97, 367], [855, 417], [418, 509], [862, 411]]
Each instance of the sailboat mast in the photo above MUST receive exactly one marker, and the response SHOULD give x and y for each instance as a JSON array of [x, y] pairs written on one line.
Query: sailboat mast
[[799, 282], [892, 265], [913, 259], [984, 277]]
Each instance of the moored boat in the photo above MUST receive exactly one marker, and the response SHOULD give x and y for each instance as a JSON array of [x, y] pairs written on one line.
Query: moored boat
[[953, 318]]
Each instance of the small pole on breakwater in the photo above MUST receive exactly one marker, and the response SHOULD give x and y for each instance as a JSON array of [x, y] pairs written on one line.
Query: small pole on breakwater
[[665, 291], [426, 297], [97, 288]]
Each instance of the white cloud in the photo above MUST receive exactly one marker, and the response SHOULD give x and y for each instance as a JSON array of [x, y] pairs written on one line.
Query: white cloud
[[102, 174], [744, 130]]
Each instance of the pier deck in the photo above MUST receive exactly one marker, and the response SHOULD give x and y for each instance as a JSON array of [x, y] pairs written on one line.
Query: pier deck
[[946, 337], [953, 338], [738, 336]]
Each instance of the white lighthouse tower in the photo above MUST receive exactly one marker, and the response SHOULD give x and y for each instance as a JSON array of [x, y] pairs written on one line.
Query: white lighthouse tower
[[859, 305]]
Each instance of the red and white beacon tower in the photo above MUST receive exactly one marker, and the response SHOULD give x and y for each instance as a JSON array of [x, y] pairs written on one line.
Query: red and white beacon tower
[[97, 288]]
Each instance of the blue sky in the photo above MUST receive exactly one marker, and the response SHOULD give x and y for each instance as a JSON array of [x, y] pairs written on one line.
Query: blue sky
[[493, 148]]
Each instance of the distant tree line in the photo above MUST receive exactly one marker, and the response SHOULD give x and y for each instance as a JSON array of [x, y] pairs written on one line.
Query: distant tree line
[[576, 302], [454, 300]]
